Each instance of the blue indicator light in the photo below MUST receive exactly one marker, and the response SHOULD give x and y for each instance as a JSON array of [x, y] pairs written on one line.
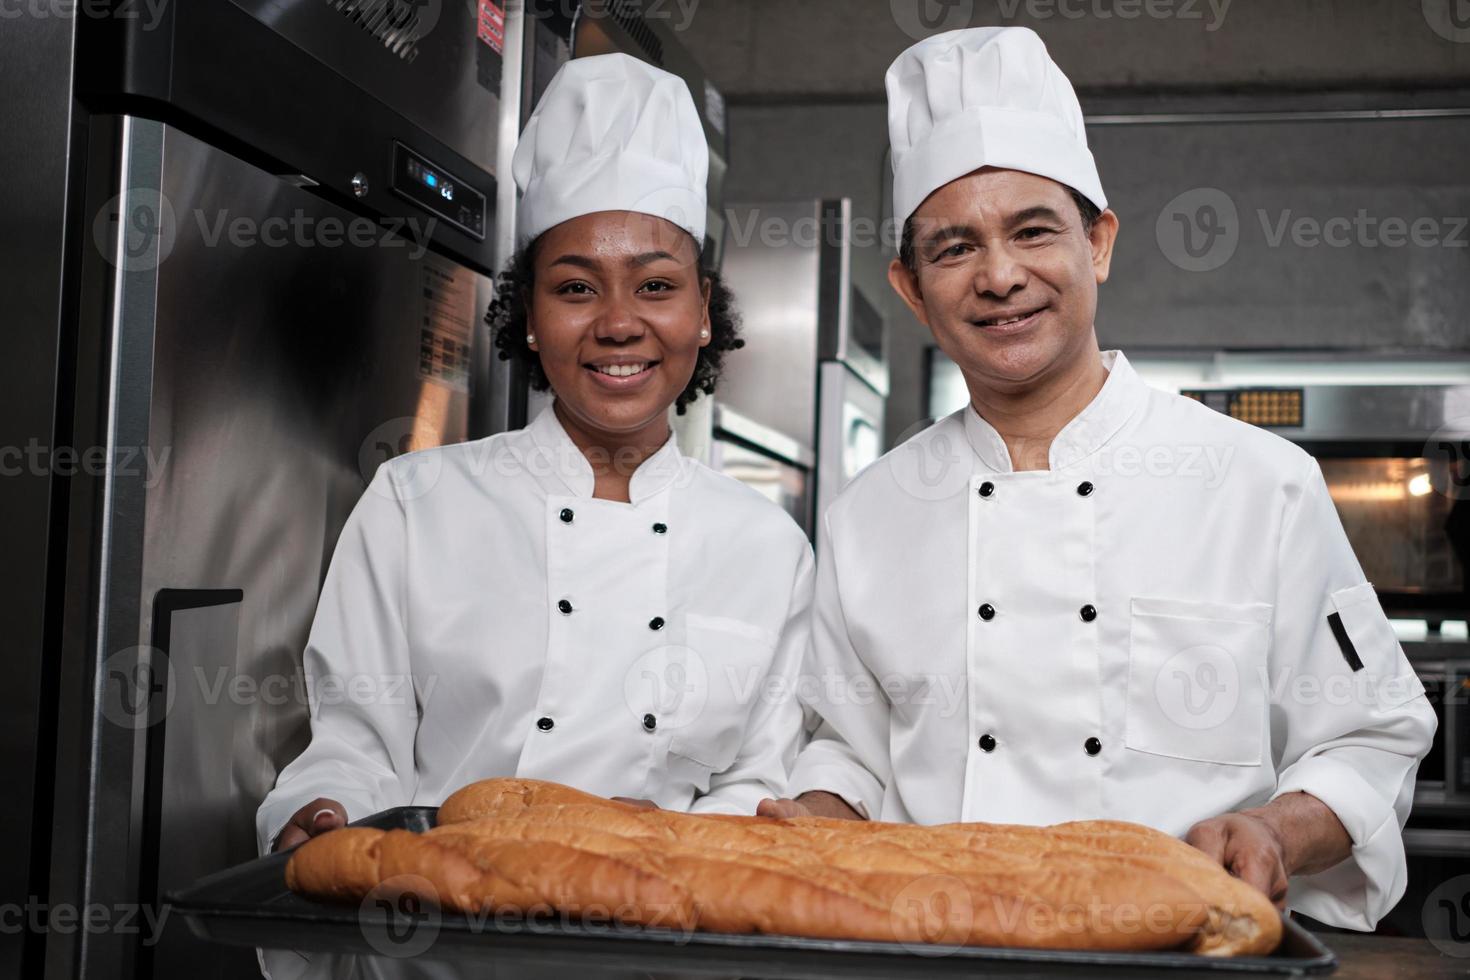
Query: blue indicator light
[[431, 180]]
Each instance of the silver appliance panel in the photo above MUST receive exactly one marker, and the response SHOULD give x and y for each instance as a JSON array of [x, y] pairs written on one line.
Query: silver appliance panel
[[432, 62], [864, 346], [256, 389], [778, 467], [849, 328], [1375, 413], [773, 265], [851, 436]]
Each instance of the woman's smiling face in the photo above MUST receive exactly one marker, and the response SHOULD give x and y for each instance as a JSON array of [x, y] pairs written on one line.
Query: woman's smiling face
[[619, 312]]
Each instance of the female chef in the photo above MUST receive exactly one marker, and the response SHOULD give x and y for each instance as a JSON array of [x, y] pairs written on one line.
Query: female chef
[[574, 601]]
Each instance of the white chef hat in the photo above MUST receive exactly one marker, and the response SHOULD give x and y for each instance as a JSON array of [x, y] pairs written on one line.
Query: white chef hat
[[983, 97], [612, 133]]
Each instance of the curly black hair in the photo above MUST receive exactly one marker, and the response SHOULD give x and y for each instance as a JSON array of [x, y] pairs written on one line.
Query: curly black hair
[[507, 319]]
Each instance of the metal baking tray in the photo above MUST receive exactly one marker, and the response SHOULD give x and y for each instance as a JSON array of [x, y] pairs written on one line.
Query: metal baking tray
[[249, 905]]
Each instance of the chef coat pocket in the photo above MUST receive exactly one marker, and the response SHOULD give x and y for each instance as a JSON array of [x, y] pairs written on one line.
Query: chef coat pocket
[[1367, 642], [1196, 684], [732, 661]]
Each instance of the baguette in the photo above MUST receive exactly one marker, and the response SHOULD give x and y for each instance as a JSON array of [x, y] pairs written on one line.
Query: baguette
[[516, 845]]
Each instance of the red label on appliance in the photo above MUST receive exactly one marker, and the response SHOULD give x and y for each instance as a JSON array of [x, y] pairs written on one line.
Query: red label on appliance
[[491, 27]]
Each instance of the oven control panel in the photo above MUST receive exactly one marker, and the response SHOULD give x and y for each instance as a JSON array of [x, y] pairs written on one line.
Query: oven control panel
[[437, 191]]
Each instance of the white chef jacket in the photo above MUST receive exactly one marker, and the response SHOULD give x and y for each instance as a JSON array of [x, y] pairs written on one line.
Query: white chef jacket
[[483, 615], [1143, 632]]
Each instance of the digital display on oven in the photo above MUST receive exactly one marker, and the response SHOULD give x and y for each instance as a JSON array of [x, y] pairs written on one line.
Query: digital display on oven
[[436, 190]]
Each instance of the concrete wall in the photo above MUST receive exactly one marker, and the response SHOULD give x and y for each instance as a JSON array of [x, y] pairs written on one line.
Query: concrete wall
[[800, 49], [804, 82]]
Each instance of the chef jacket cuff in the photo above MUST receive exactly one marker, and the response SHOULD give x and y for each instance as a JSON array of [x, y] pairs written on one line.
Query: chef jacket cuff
[[857, 787], [1360, 890]]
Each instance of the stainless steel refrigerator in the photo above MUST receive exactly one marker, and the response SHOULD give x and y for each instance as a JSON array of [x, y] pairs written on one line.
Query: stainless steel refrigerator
[[250, 252]]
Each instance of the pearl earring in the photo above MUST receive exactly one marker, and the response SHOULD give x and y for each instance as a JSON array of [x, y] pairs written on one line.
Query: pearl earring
[[530, 339], [704, 335]]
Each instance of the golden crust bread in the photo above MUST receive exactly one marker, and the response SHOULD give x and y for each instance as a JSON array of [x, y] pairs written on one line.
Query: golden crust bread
[[516, 845]]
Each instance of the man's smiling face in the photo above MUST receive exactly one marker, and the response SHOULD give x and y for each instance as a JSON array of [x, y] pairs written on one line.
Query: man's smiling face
[[1005, 275]]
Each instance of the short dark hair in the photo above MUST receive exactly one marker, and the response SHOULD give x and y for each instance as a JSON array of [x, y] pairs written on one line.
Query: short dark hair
[[1090, 213], [507, 319]]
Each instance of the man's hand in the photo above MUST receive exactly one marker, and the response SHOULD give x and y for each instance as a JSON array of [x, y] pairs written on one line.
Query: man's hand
[[317, 817], [813, 804], [1248, 847], [1296, 833], [643, 804]]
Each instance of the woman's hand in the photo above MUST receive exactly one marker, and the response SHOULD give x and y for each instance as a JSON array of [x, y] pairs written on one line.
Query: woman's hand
[[317, 817], [812, 804]]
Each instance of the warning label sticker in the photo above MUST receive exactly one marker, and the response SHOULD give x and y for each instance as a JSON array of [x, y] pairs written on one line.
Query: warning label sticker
[[491, 28]]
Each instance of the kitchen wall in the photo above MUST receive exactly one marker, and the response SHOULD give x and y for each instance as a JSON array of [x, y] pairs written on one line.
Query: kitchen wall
[[1298, 267]]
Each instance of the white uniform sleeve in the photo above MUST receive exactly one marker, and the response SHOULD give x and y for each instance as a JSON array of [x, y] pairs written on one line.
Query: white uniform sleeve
[[774, 732], [364, 713], [1350, 722], [848, 753]]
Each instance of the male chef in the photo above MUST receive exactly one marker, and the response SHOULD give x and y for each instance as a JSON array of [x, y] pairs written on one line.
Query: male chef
[[1081, 597]]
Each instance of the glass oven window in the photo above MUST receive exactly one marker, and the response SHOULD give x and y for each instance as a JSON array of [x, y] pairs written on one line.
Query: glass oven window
[[1409, 535]]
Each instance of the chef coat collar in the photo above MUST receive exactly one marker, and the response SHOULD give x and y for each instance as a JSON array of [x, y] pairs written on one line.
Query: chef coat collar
[[565, 468], [1088, 431]]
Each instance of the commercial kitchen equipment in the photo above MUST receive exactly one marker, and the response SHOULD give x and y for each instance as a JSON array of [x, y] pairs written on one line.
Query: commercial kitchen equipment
[[251, 250], [814, 369]]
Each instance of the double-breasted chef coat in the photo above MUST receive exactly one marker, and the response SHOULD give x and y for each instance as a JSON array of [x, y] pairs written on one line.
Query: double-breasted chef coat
[[483, 615], [1166, 625]]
